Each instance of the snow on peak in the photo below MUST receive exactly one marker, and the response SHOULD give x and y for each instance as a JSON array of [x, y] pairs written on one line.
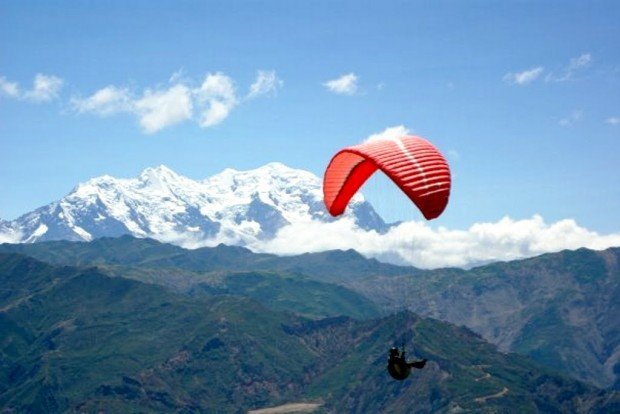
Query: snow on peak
[[272, 170], [161, 172], [235, 207], [278, 167], [160, 178]]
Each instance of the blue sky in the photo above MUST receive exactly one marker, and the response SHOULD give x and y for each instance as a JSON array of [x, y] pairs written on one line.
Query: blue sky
[[523, 97]]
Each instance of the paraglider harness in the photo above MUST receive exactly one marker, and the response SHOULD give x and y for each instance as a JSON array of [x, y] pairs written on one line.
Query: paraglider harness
[[398, 367]]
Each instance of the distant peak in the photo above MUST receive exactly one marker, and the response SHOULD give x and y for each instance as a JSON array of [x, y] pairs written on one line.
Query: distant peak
[[280, 167], [277, 165], [93, 183], [272, 169], [160, 174], [160, 170]]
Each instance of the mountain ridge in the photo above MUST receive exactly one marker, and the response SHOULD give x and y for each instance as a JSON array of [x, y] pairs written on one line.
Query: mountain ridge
[[236, 207], [79, 340], [557, 307], [560, 308]]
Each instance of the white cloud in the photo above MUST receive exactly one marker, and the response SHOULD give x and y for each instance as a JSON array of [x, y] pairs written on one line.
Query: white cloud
[[613, 120], [217, 97], [44, 88], [10, 89], [157, 108], [571, 119], [107, 101], [390, 133], [525, 77], [420, 245], [9, 234], [162, 108], [344, 85], [179, 77], [568, 72], [267, 82]]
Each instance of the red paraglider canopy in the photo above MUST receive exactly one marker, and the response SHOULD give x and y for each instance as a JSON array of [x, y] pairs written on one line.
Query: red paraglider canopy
[[413, 163]]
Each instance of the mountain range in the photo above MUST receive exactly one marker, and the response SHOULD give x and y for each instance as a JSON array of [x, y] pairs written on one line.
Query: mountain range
[[234, 207], [165, 231], [80, 339], [278, 209], [560, 309]]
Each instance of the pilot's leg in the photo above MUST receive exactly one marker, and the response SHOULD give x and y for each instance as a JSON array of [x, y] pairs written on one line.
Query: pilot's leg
[[418, 364]]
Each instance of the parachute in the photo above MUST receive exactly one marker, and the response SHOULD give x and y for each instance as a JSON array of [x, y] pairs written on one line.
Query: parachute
[[416, 167], [411, 162]]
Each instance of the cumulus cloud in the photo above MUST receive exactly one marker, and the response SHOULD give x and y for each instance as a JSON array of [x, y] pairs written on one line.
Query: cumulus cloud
[[155, 109], [420, 245], [45, 88], [161, 108], [390, 133], [525, 77], [344, 85], [208, 104], [613, 120], [107, 101], [7, 88], [267, 82], [569, 71], [217, 97]]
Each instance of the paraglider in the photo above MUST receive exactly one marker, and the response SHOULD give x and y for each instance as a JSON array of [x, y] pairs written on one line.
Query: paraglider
[[398, 367], [413, 163], [416, 167]]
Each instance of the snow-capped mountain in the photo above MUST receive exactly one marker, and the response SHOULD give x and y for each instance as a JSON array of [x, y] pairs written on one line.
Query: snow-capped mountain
[[234, 207]]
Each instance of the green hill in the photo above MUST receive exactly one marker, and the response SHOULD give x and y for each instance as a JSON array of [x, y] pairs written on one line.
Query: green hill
[[561, 308], [330, 266], [76, 339]]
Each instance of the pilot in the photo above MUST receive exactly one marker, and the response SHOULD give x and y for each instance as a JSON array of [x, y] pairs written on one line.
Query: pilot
[[398, 367]]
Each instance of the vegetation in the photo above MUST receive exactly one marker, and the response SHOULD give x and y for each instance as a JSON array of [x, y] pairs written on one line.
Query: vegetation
[[77, 339], [561, 309]]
